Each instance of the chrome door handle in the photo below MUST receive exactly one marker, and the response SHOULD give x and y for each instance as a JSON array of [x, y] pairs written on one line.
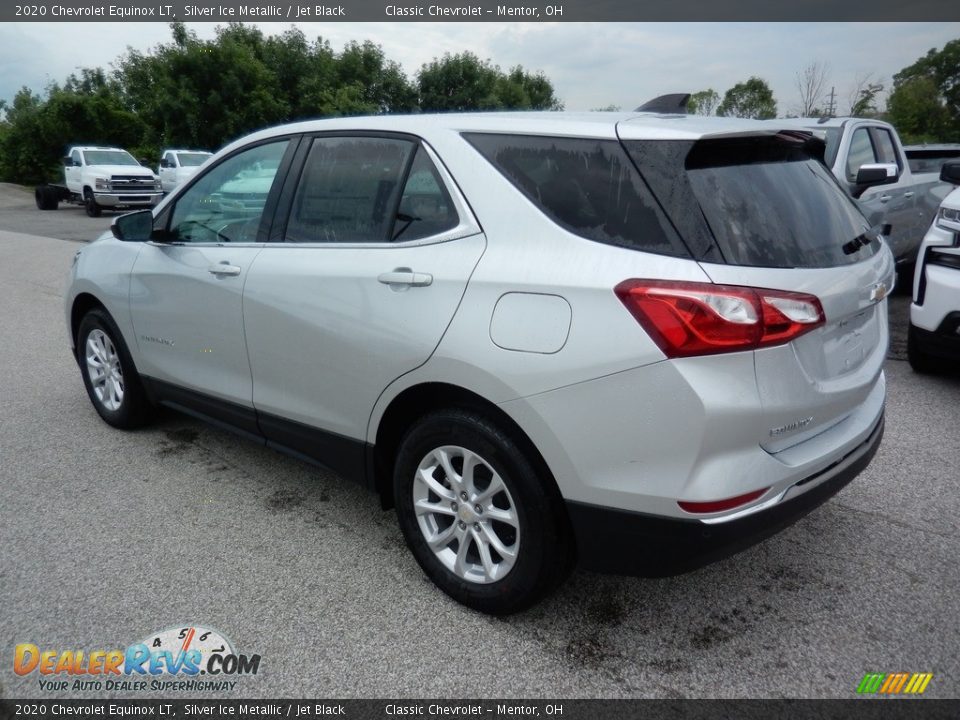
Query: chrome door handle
[[224, 269], [405, 276], [908, 194]]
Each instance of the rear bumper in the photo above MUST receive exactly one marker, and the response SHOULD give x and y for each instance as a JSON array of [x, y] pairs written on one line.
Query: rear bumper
[[631, 543], [944, 342]]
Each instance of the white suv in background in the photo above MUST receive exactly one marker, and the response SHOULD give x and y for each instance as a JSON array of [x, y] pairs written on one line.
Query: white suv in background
[[933, 342], [636, 341], [176, 166]]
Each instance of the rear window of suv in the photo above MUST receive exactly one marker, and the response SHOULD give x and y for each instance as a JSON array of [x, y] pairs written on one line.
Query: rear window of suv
[[761, 201], [587, 186]]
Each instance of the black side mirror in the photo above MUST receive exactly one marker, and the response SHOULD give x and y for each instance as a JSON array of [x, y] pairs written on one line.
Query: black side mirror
[[164, 163], [950, 172], [67, 161], [133, 227], [872, 174]]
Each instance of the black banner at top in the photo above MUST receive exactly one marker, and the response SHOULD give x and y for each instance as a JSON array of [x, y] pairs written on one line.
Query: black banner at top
[[520, 11]]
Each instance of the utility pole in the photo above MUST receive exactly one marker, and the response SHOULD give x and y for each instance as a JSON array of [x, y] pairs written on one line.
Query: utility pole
[[831, 106]]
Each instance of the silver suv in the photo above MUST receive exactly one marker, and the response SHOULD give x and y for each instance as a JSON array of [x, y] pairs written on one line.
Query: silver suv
[[632, 341]]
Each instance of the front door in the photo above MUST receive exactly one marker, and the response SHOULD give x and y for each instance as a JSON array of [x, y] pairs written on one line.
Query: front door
[[186, 292]]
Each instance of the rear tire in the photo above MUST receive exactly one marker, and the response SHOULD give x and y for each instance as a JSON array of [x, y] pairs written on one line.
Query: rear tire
[[90, 203], [481, 520], [109, 375], [46, 197], [922, 362]]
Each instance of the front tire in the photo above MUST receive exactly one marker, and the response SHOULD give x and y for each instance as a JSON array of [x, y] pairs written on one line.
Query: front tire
[[109, 375], [482, 521], [90, 204]]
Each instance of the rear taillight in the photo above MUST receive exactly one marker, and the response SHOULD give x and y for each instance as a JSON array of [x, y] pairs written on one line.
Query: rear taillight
[[691, 318]]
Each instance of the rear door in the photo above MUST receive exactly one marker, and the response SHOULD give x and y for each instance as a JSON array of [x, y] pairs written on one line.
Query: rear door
[[371, 261], [768, 215]]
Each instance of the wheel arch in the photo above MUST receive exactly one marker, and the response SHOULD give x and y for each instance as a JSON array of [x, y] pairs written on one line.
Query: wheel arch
[[421, 399], [83, 303]]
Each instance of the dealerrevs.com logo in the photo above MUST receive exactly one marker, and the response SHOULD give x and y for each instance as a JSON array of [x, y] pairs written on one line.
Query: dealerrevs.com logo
[[190, 658]]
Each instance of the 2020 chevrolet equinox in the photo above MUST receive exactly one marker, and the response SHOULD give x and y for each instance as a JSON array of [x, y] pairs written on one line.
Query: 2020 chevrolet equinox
[[639, 342]]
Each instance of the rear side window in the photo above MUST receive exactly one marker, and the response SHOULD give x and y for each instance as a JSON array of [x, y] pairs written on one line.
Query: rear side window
[[587, 186], [349, 190], [886, 152]]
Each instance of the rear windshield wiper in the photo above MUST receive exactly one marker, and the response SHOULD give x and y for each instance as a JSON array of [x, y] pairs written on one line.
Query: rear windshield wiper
[[866, 237]]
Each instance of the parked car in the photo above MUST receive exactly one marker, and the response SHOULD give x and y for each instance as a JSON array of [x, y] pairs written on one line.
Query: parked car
[[635, 341], [930, 158], [176, 166], [933, 340], [857, 147], [101, 178]]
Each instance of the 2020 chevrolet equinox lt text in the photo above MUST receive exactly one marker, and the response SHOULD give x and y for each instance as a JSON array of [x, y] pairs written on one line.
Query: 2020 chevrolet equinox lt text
[[632, 341]]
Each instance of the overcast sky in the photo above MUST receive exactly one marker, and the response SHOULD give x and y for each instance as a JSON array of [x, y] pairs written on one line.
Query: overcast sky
[[591, 65]]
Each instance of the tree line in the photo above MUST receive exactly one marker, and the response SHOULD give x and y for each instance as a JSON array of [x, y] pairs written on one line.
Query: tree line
[[201, 94], [923, 104]]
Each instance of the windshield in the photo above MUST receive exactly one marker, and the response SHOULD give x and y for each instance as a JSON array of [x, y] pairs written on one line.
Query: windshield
[[109, 157], [763, 202], [192, 159]]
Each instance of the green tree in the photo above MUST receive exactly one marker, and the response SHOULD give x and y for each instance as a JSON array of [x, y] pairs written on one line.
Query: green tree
[[750, 99], [703, 103], [918, 112], [463, 82], [930, 85]]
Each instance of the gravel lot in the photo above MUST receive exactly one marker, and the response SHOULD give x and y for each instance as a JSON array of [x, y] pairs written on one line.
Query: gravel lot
[[107, 536]]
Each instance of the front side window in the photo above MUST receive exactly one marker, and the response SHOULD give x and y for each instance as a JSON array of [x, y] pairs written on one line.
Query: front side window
[[861, 153], [75, 157], [226, 204], [349, 190]]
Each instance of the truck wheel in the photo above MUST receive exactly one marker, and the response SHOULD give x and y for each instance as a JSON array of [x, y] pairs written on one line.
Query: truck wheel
[[920, 361], [90, 203], [46, 198]]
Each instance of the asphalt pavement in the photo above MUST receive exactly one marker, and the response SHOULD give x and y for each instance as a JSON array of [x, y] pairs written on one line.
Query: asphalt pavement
[[109, 536]]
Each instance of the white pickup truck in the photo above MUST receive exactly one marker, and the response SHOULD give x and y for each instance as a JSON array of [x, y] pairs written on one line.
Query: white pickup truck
[[178, 165], [101, 178], [908, 201]]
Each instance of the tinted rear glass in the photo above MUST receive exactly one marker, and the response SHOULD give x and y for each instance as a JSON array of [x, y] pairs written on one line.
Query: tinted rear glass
[[763, 201], [586, 186]]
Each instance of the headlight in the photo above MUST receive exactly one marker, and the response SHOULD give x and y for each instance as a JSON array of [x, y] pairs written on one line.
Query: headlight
[[102, 184], [948, 218], [156, 185]]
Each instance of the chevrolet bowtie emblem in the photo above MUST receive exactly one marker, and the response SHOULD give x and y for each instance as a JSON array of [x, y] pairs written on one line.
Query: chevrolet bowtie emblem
[[878, 292]]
